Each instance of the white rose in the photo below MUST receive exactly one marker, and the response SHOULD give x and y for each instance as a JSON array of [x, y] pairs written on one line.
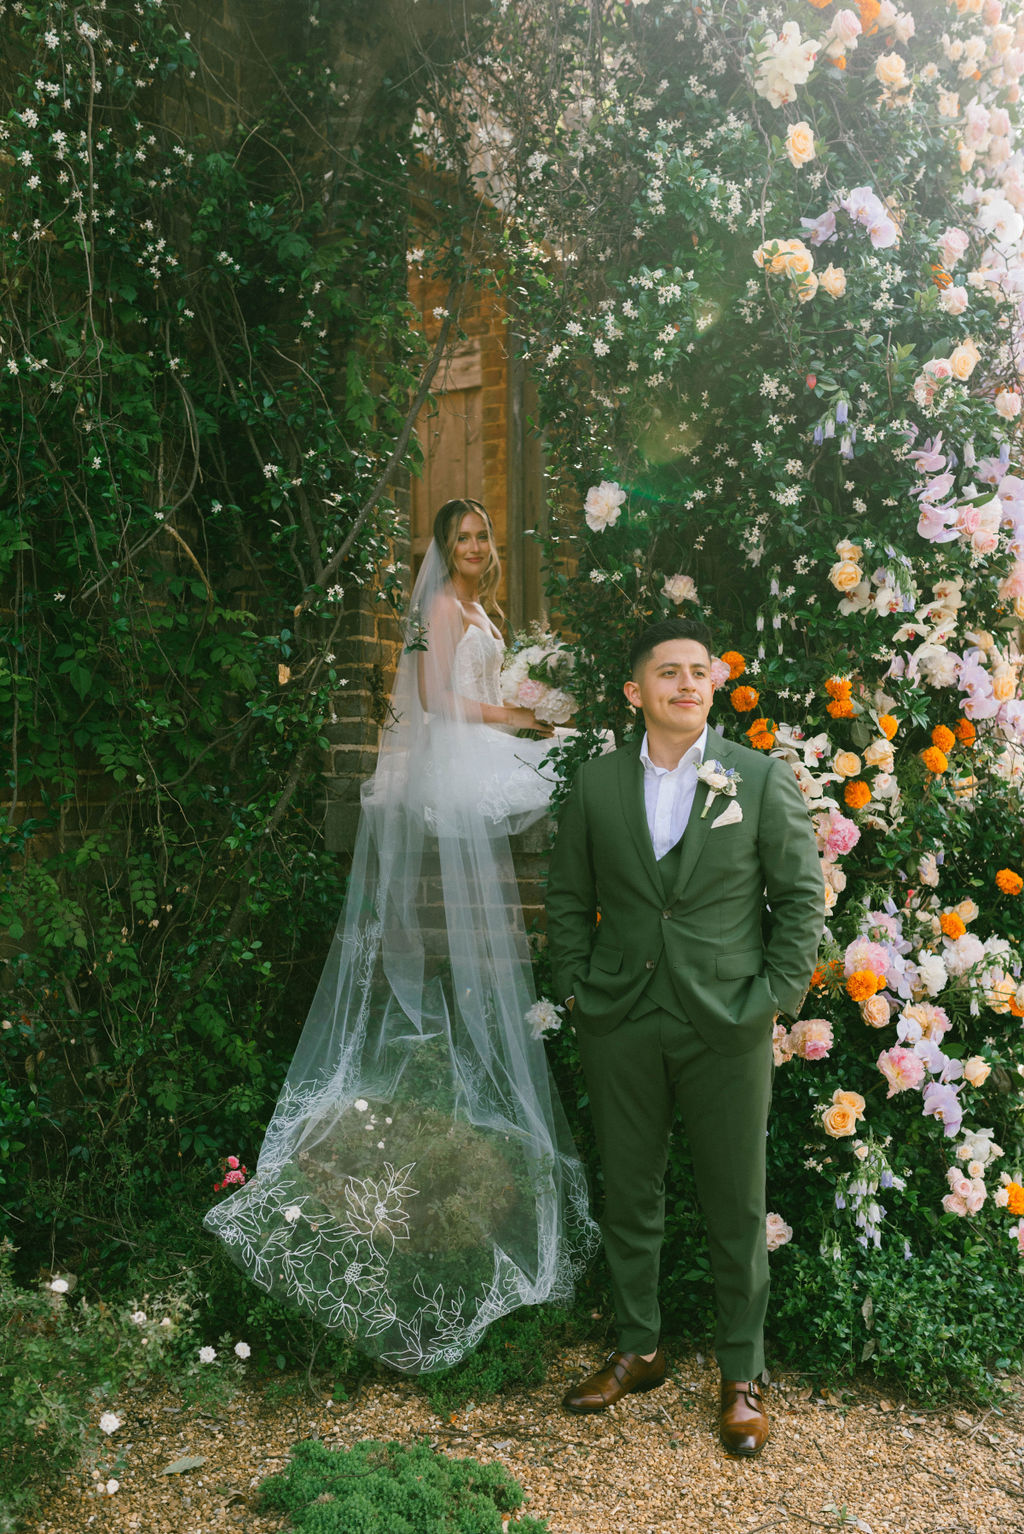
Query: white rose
[[931, 973], [679, 588], [953, 300], [1008, 403], [777, 1232], [242, 1349], [601, 507]]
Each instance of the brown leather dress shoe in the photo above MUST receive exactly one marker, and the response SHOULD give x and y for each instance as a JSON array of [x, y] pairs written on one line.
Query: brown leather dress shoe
[[743, 1426], [621, 1375]]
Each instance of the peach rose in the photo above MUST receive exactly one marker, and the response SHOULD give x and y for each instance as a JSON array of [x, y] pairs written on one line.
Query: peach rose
[[806, 286], [852, 1100], [800, 143], [850, 551], [845, 575], [1004, 683], [839, 1119], [977, 1071], [846, 763], [966, 910], [833, 280], [891, 71], [1008, 403], [880, 754], [876, 1012], [964, 359]]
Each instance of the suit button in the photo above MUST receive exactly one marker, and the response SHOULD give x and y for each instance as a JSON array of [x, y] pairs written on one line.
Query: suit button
[[665, 915], [651, 963]]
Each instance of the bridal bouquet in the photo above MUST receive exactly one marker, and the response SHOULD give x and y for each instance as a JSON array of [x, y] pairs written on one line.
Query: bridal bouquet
[[537, 677]]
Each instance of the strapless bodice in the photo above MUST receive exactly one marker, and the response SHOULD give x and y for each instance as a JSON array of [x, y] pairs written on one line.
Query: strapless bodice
[[476, 669]]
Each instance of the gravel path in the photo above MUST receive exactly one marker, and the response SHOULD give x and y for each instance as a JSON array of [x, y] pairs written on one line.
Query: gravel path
[[849, 1460]]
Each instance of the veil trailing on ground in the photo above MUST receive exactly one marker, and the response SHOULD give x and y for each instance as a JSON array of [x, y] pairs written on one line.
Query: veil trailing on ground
[[417, 1179]]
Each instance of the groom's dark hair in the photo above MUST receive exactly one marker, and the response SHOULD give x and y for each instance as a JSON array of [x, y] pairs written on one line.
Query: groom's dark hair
[[645, 643]]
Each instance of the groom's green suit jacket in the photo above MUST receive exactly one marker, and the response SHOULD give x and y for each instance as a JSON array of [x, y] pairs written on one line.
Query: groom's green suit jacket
[[736, 934]]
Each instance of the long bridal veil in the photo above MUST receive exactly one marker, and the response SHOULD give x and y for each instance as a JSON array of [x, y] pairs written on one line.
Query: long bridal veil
[[417, 1179]]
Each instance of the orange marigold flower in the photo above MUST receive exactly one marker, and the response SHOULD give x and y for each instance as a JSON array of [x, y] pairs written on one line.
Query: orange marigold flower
[[934, 759], [1009, 882], [1014, 1010], [869, 10], [819, 977], [888, 724], [840, 708], [1015, 1198], [952, 924], [838, 686], [857, 794], [943, 738], [965, 732], [735, 662], [819, 5], [863, 984], [763, 740], [744, 699]]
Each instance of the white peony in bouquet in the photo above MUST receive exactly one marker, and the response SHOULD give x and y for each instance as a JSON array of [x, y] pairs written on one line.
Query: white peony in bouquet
[[537, 676]]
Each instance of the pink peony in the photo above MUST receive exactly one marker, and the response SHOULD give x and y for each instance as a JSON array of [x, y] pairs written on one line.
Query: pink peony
[[811, 1038], [862, 953], [901, 1068], [841, 835]]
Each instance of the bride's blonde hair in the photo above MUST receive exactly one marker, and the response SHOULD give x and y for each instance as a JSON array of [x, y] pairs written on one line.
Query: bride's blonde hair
[[446, 530]]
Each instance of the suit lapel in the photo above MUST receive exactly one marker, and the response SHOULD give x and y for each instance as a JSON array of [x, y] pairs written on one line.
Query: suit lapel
[[698, 826], [634, 814]]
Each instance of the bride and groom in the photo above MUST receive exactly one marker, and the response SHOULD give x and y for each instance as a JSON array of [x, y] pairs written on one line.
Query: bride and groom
[[418, 1179]]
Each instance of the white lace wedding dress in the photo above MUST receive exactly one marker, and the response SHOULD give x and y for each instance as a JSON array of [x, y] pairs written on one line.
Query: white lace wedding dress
[[418, 1179]]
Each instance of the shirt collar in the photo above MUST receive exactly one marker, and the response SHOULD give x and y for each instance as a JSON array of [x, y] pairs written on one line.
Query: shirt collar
[[691, 757]]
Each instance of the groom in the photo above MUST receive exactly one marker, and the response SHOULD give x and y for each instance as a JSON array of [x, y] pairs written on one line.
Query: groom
[[700, 858]]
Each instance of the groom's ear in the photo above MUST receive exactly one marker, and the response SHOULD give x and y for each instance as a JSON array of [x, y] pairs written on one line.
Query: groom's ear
[[632, 692]]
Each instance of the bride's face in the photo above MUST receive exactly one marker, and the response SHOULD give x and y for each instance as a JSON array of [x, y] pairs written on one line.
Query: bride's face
[[472, 552]]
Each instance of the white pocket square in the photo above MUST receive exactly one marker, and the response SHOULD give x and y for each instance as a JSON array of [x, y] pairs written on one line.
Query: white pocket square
[[729, 816]]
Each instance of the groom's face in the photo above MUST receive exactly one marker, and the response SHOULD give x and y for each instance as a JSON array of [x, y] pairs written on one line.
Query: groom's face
[[673, 688]]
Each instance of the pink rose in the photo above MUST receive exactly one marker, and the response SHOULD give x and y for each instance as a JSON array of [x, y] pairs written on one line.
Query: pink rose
[[901, 1068], [1008, 404], [811, 1038], [529, 693], [953, 243]]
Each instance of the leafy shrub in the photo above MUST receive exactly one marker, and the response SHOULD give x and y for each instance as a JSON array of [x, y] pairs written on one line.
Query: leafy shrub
[[385, 1488]]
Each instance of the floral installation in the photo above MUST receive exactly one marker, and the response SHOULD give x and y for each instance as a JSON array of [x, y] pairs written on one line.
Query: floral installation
[[536, 675], [836, 195], [718, 780]]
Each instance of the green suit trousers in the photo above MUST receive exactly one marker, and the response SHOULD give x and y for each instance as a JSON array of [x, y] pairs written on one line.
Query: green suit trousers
[[637, 1077]]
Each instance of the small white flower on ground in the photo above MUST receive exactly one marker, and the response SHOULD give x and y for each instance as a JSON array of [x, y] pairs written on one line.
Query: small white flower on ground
[[360, 1105], [112, 1486], [292, 1213], [109, 1423], [60, 1286], [242, 1349], [207, 1355], [601, 507], [777, 1232], [543, 1017]]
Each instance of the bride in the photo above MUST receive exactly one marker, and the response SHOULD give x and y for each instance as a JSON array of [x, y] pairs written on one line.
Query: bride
[[417, 1179]]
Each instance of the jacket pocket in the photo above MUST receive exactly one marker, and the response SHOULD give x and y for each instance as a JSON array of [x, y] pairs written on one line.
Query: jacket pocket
[[737, 966], [607, 959]]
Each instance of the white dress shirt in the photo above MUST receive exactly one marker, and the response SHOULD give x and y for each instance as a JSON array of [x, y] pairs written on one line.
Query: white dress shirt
[[669, 793]]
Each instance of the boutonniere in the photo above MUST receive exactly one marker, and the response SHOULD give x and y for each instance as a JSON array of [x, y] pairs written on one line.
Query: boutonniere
[[719, 780]]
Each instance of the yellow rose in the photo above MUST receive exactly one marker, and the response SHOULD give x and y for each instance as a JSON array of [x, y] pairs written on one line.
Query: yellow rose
[[806, 287], [876, 1011], [964, 359], [833, 280], [846, 763], [1000, 994], [844, 575], [880, 754], [850, 1100], [982, 638], [839, 1120], [891, 71], [848, 550], [977, 1071], [800, 143]]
